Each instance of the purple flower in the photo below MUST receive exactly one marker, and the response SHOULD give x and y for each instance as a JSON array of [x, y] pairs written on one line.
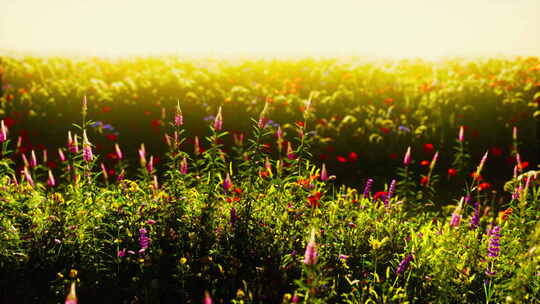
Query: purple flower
[[404, 264], [494, 246], [455, 220], [475, 220], [144, 240], [391, 190], [234, 216], [367, 188]]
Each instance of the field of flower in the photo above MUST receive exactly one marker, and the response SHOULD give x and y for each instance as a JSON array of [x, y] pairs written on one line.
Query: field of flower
[[161, 180]]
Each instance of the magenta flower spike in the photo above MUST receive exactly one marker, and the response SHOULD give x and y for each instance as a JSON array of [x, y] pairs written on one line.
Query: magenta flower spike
[[25, 160], [475, 220], [150, 164], [481, 165], [184, 166], [51, 182], [207, 298], [404, 264], [461, 135], [290, 152], [407, 157], [262, 117], [72, 296], [227, 183], [33, 159], [310, 256], [104, 170], [324, 173], [3, 132], [155, 184], [28, 177], [142, 155], [434, 160], [61, 155], [144, 240], [218, 122], [119, 154], [455, 220], [367, 188], [178, 117], [75, 147], [87, 148]]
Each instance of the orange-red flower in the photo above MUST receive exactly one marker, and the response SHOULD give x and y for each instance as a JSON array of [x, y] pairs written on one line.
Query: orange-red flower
[[503, 215], [452, 172], [424, 180], [314, 199], [484, 186]]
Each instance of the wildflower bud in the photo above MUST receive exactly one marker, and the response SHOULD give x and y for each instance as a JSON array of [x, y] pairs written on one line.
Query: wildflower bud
[[475, 220], [262, 117], [218, 122], [184, 166], [33, 159], [481, 165], [61, 155], [238, 139], [290, 152], [28, 177], [19, 142], [207, 298], [25, 160], [119, 154], [104, 171], [178, 117], [404, 264], [456, 215], [367, 188], [142, 155], [434, 160], [85, 105], [310, 256], [514, 133], [51, 181], [197, 147], [461, 135], [391, 190], [407, 158], [227, 183], [45, 155], [150, 165], [324, 174], [72, 296], [87, 148], [3, 132]]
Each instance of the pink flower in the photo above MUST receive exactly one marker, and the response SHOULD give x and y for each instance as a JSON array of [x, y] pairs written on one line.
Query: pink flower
[[3, 132], [51, 182], [407, 158], [218, 122], [184, 166], [119, 154], [87, 148], [207, 298], [72, 296], [324, 173], [461, 135], [178, 117], [310, 257]]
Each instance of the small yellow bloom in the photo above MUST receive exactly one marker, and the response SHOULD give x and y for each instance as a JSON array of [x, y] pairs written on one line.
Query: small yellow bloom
[[73, 273], [183, 261], [240, 293]]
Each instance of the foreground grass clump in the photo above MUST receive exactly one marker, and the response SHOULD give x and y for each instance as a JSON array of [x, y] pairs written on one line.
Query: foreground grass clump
[[246, 227]]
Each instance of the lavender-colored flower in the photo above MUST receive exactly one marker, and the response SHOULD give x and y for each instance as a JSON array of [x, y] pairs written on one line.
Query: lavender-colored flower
[[324, 173], [144, 240], [494, 247], [475, 220], [3, 132], [391, 190], [455, 220], [218, 122], [367, 188], [404, 129], [407, 157], [57, 241], [209, 117], [404, 264], [310, 256]]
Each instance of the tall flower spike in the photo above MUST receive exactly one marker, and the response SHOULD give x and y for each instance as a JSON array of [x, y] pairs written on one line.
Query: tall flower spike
[[61, 155], [324, 173], [310, 256], [184, 166], [142, 155], [461, 135], [28, 177], [51, 182], [391, 190], [262, 117], [407, 157], [404, 264], [227, 183], [45, 155], [456, 215], [207, 298], [367, 188], [475, 220], [434, 160], [87, 148], [3, 132], [481, 165], [178, 117], [72, 296], [290, 152], [104, 171], [196, 146], [33, 159], [218, 122], [119, 154], [150, 164]]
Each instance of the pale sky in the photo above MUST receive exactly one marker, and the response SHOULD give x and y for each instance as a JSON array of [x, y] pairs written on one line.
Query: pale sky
[[385, 28]]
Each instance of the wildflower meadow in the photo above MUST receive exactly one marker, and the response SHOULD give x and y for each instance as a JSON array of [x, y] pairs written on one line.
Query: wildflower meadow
[[162, 180]]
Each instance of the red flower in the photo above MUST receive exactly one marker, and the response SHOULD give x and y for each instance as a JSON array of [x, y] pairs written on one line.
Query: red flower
[[9, 122], [384, 130], [341, 159], [424, 180], [452, 172], [353, 157], [476, 177], [424, 163], [111, 172], [112, 137], [51, 164], [378, 195], [388, 101], [106, 109], [523, 165], [323, 156], [156, 123], [497, 152], [429, 148], [238, 190], [314, 199], [483, 186], [300, 124], [393, 155]]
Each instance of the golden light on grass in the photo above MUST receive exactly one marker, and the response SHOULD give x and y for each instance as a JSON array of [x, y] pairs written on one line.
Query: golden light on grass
[[424, 28]]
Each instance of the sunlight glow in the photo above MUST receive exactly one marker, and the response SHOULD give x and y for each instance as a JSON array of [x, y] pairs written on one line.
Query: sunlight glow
[[413, 28]]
